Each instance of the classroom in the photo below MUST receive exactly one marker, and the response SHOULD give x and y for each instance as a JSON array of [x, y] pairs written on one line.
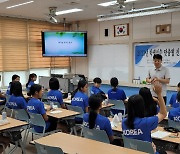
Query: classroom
[[101, 74]]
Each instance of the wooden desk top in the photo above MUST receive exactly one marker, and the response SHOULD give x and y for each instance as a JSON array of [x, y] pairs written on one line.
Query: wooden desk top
[[68, 101], [77, 145], [64, 114], [12, 124]]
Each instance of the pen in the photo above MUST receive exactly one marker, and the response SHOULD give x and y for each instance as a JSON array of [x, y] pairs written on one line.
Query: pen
[[173, 136]]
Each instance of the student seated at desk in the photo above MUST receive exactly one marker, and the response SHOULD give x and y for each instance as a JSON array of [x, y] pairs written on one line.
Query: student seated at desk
[[174, 113], [2, 98], [173, 101], [116, 93], [14, 78], [16, 100], [79, 96], [36, 106], [136, 125], [150, 103], [32, 78], [95, 89], [94, 120], [54, 94]]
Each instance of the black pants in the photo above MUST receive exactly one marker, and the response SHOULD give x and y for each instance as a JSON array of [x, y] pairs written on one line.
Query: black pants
[[53, 124]]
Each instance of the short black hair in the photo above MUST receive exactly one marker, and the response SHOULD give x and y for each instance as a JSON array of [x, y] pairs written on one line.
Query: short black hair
[[178, 85], [15, 76], [16, 88], [97, 80], [34, 88], [157, 56], [114, 82], [54, 84]]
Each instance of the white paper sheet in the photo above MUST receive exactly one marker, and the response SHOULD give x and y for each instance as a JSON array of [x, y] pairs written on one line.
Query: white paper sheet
[[160, 134], [55, 112]]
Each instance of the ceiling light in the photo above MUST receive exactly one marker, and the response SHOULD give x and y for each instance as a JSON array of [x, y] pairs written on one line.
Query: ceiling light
[[114, 2], [19, 4], [1, 1], [68, 11], [138, 14]]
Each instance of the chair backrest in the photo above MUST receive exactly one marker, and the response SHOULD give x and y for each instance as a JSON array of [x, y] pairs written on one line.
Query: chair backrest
[[21, 114], [168, 108], [76, 109], [37, 119], [44, 149], [95, 134], [174, 124], [119, 104], [44, 95], [138, 145]]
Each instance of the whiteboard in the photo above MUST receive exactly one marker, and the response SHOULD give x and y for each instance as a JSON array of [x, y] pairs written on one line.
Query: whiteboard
[[107, 61]]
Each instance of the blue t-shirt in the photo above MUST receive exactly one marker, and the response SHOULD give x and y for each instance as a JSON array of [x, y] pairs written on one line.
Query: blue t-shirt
[[117, 94], [16, 102], [173, 101], [174, 114], [8, 90], [29, 85], [101, 123], [142, 128], [80, 99], [95, 90], [55, 96], [36, 106]]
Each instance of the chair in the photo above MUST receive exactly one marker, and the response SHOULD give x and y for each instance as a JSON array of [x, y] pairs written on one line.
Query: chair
[[138, 145], [119, 105], [95, 134], [174, 124], [76, 109], [44, 95], [55, 103], [168, 108], [21, 114], [45, 149]]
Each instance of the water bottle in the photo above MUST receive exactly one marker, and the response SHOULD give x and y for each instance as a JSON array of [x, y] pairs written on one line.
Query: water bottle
[[51, 105], [4, 116], [69, 95], [120, 116]]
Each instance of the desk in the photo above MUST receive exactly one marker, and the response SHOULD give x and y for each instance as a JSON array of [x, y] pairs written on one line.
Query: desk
[[68, 101], [13, 123], [64, 114], [77, 145]]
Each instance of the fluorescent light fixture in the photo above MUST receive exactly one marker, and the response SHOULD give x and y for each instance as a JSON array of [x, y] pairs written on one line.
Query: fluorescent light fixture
[[139, 14], [113, 3], [68, 11], [19, 4], [1, 1]]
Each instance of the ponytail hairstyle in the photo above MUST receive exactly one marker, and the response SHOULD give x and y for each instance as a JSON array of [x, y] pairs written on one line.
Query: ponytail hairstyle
[[81, 84], [114, 83], [16, 89], [178, 97], [35, 88], [95, 102], [31, 76], [135, 108]]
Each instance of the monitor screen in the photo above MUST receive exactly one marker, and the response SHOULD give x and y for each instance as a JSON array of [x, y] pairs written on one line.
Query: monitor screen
[[63, 43]]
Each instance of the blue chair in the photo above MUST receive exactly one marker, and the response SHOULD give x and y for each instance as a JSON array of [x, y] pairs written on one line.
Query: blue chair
[[174, 124], [138, 145], [45, 149], [95, 134], [118, 105]]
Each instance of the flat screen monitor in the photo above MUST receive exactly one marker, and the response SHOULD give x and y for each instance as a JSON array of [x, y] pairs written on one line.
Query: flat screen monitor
[[64, 44]]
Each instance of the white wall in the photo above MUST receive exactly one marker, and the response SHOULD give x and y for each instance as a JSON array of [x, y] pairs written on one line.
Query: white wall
[[142, 29]]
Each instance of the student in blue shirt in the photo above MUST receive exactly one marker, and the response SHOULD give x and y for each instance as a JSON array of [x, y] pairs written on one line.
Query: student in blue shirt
[[36, 106], [16, 100], [173, 101], [14, 78], [136, 125], [95, 89], [94, 120], [116, 93], [174, 113], [150, 103], [79, 96], [54, 94], [32, 78]]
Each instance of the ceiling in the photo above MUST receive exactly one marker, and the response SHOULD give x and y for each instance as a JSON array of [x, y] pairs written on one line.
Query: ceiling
[[39, 9]]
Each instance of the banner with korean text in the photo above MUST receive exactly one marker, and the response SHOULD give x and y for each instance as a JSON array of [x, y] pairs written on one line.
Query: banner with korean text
[[143, 59]]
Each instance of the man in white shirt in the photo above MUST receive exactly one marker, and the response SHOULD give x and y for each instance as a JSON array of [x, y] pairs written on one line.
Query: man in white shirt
[[160, 74]]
